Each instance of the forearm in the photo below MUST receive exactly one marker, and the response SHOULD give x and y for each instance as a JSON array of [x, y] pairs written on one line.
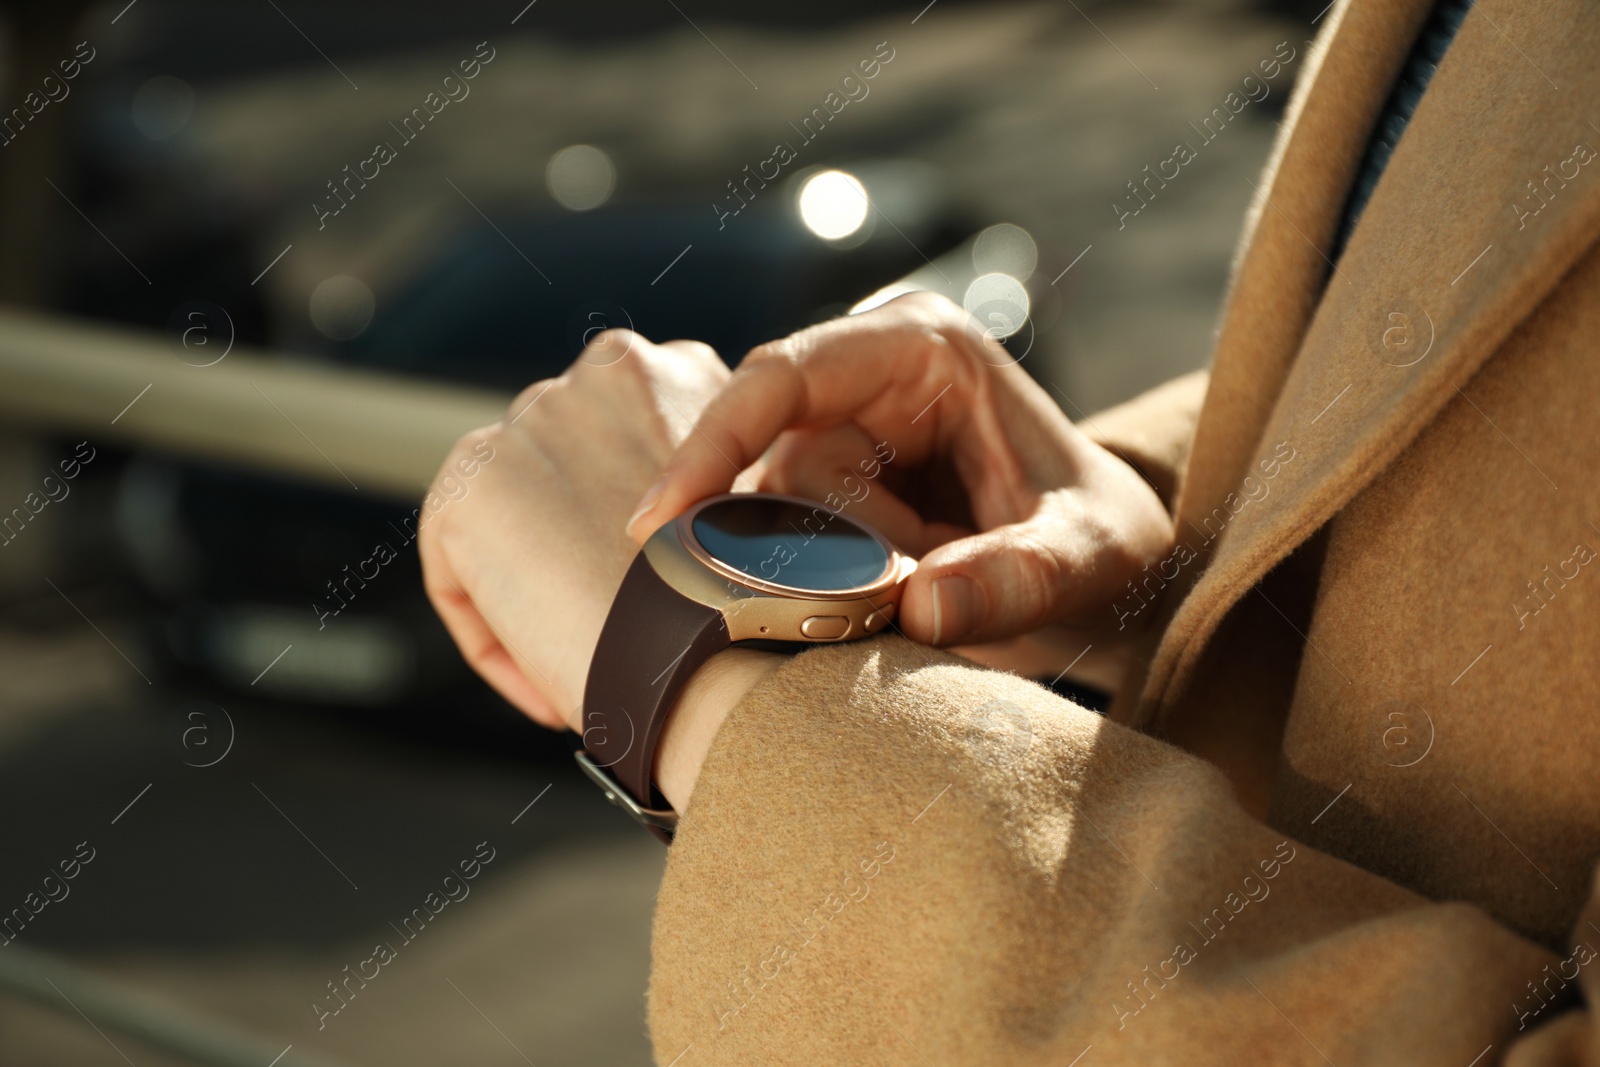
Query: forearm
[[712, 692]]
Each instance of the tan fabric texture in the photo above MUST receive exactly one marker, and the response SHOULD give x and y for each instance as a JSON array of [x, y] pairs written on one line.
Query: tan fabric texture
[[1345, 812]]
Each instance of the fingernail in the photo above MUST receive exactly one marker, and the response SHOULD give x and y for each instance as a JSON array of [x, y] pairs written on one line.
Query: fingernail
[[958, 605], [646, 502]]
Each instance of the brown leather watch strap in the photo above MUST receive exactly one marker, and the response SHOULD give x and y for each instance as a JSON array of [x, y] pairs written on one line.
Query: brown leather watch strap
[[654, 638]]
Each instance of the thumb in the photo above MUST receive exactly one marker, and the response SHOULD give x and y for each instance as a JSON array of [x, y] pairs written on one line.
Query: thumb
[[1003, 582]]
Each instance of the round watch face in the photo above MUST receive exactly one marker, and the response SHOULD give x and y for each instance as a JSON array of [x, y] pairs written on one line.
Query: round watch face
[[786, 542]]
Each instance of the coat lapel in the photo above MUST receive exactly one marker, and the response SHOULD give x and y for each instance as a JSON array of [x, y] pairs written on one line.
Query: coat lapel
[[1487, 201]]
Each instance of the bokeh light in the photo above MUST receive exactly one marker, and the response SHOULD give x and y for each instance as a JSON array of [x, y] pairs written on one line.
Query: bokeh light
[[833, 204], [341, 307], [581, 177], [999, 303], [162, 107], [1005, 249]]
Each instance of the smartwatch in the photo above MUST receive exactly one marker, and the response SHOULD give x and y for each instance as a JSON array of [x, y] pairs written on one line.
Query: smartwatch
[[759, 570]]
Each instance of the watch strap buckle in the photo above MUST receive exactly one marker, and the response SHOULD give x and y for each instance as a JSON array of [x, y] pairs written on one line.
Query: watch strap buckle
[[663, 821]]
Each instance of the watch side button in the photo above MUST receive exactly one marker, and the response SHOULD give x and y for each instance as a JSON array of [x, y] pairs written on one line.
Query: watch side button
[[879, 618], [825, 627]]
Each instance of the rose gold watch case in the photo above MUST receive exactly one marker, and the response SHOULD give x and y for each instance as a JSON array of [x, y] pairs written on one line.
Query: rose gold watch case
[[760, 610]]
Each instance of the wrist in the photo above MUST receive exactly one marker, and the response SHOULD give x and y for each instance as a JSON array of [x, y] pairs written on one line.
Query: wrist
[[710, 694]]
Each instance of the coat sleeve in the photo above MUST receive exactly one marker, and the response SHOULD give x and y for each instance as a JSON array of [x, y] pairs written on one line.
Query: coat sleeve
[[895, 857], [1153, 431]]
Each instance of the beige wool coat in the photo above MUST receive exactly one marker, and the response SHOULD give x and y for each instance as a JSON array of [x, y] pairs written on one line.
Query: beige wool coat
[[1347, 811]]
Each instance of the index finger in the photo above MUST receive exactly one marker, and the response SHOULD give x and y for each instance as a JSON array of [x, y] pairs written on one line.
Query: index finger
[[820, 376]]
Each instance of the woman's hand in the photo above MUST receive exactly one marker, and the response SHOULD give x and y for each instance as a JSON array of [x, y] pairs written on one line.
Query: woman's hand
[[522, 556], [939, 439]]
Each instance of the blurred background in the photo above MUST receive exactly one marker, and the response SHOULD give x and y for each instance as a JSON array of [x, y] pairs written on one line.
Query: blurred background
[[291, 223]]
